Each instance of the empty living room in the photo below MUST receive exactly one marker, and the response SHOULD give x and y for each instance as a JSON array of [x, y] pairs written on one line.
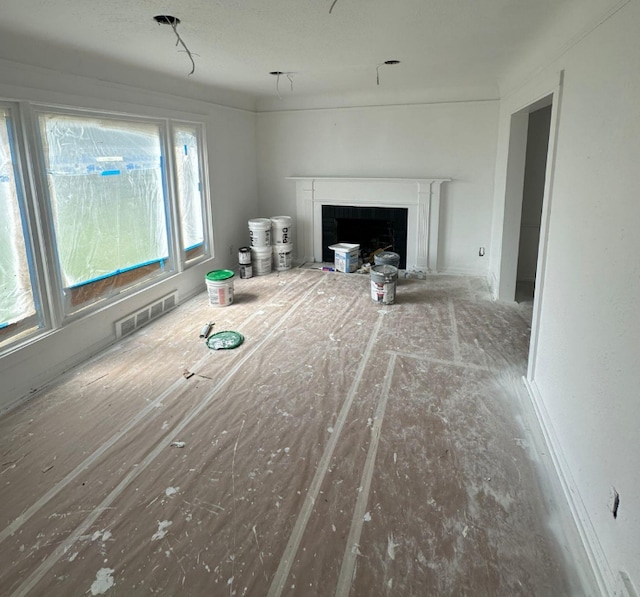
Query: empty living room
[[320, 298]]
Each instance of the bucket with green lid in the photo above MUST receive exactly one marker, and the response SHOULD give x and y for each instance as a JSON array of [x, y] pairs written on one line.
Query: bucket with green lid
[[220, 287]]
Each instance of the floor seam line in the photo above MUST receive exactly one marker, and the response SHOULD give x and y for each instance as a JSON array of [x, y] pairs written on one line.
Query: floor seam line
[[429, 359], [293, 544], [455, 341], [347, 570]]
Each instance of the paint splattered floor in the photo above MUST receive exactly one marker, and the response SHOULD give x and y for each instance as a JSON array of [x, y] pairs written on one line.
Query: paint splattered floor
[[345, 448]]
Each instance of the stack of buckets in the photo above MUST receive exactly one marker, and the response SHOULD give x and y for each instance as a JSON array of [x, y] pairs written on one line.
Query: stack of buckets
[[282, 239], [271, 245], [384, 277]]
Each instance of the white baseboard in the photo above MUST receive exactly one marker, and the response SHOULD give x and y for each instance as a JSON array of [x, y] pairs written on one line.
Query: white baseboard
[[492, 280], [461, 271], [607, 583]]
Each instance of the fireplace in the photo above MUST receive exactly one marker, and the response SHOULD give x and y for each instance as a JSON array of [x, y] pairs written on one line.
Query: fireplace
[[419, 197], [370, 227]]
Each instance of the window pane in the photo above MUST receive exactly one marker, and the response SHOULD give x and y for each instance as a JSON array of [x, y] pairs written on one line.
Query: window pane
[[187, 159], [16, 293], [106, 189]]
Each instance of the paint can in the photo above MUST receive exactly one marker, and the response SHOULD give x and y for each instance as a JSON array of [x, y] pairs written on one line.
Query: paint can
[[246, 271], [282, 257], [220, 287], [244, 256], [261, 258], [387, 258], [281, 229], [260, 232], [383, 283]]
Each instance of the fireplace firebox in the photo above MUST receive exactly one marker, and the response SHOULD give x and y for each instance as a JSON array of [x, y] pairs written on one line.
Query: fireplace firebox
[[371, 227]]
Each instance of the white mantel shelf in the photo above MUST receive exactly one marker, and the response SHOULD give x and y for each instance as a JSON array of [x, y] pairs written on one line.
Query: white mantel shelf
[[420, 196], [350, 178]]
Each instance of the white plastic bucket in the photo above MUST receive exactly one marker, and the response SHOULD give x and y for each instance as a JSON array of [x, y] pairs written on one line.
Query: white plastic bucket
[[261, 258], [220, 287], [282, 257], [383, 284], [281, 230], [260, 232]]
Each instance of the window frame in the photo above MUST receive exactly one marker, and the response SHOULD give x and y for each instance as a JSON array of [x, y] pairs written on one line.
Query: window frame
[[120, 287], [31, 175], [185, 262], [19, 332]]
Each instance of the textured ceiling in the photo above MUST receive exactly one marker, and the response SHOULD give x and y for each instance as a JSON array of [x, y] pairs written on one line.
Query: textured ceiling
[[236, 43]]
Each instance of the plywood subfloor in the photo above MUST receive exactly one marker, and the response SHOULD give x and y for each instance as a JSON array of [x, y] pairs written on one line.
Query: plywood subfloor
[[346, 448]]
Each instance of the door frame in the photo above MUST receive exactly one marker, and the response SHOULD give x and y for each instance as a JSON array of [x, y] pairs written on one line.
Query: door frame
[[512, 213]]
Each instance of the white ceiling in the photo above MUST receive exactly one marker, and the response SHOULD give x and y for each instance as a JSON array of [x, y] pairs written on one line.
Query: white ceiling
[[441, 44]]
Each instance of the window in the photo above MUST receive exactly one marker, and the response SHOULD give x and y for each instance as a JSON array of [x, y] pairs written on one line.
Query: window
[[18, 312], [105, 181], [186, 143], [122, 204]]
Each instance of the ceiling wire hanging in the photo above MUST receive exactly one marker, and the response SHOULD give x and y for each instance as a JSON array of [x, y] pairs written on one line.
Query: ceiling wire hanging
[[385, 63], [174, 22], [277, 74], [332, 5]]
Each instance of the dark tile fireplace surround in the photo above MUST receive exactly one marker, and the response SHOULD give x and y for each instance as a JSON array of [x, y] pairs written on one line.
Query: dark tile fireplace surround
[[370, 227]]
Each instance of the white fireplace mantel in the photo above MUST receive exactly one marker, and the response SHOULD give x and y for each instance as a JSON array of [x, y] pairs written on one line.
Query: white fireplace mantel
[[421, 196]]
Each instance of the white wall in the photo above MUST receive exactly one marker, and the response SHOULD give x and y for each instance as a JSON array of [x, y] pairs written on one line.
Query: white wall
[[455, 140], [584, 375], [232, 174]]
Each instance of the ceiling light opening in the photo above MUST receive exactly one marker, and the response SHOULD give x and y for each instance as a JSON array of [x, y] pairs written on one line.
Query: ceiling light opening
[[166, 20]]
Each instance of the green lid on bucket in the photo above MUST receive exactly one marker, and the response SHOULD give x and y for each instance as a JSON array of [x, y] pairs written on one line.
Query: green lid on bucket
[[218, 275]]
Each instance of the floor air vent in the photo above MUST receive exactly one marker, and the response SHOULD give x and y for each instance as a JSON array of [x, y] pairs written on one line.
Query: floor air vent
[[136, 320]]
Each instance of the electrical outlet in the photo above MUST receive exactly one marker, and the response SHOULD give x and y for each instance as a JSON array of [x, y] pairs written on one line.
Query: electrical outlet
[[481, 252]]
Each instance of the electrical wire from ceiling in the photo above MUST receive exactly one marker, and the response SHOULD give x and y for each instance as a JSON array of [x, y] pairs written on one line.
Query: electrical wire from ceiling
[[278, 74], [174, 22], [385, 63], [332, 5]]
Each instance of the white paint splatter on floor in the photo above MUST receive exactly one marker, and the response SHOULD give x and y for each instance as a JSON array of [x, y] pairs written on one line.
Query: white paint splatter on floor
[[102, 535], [103, 582], [161, 532], [169, 491]]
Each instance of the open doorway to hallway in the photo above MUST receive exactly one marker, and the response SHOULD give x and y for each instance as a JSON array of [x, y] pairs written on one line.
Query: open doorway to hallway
[[537, 144]]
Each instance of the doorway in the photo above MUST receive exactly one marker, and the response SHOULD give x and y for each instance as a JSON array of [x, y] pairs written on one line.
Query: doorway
[[526, 177], [535, 165]]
